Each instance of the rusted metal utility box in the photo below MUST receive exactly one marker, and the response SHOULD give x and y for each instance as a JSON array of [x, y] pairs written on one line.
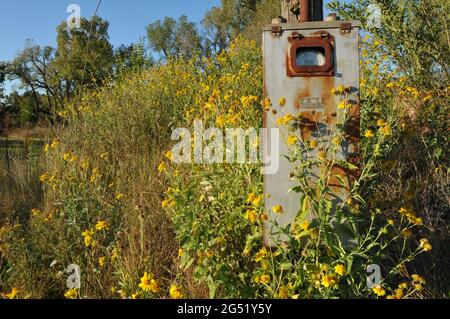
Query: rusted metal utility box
[[303, 63]]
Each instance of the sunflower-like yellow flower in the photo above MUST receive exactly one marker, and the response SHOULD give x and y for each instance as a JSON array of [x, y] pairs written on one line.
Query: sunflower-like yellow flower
[[161, 167], [71, 293], [101, 225], [175, 292], [12, 294], [328, 281], [425, 245], [251, 215], [253, 199], [379, 291], [381, 123], [264, 279], [88, 240], [369, 134], [313, 144], [102, 262], [277, 209], [261, 254], [339, 269], [149, 284], [292, 140], [386, 130]]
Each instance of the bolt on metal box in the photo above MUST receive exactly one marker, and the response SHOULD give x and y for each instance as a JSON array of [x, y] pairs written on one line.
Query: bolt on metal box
[[303, 63]]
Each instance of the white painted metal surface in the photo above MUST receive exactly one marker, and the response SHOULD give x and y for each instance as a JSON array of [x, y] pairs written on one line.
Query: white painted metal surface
[[309, 96]]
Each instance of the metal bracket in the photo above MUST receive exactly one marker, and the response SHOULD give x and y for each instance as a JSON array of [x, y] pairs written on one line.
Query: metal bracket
[[296, 36], [346, 27], [277, 30], [321, 34]]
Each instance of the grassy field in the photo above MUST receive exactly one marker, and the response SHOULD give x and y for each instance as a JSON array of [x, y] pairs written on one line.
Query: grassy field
[[20, 167]]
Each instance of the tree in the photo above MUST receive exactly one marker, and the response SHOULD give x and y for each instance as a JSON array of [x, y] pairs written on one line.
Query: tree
[[84, 56], [265, 11], [3, 67], [34, 67], [414, 33], [174, 38], [131, 58], [234, 17]]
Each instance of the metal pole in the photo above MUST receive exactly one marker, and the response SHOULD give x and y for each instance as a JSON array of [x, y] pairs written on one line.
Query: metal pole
[[310, 10], [305, 10]]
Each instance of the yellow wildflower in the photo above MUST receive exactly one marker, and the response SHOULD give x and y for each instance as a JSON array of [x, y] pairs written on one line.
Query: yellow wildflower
[[328, 281], [167, 203], [282, 101], [261, 254], [381, 123], [277, 209], [418, 287], [180, 252], [253, 199], [418, 279], [161, 167], [44, 177], [55, 143], [339, 269], [101, 225], [386, 130], [102, 261], [285, 119], [313, 144], [135, 296], [250, 215], [399, 293], [379, 291], [169, 155], [292, 140], [322, 155], [71, 293], [175, 292], [341, 89], [119, 196], [344, 105], [149, 284], [369, 134], [13, 293], [264, 279], [403, 285], [267, 103], [305, 225], [425, 245], [88, 240], [407, 233]]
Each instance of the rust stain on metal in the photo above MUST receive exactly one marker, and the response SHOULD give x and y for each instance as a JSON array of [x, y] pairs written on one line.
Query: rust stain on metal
[[312, 119]]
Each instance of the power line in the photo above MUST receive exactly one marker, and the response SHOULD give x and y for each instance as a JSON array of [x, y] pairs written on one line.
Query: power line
[[89, 41]]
